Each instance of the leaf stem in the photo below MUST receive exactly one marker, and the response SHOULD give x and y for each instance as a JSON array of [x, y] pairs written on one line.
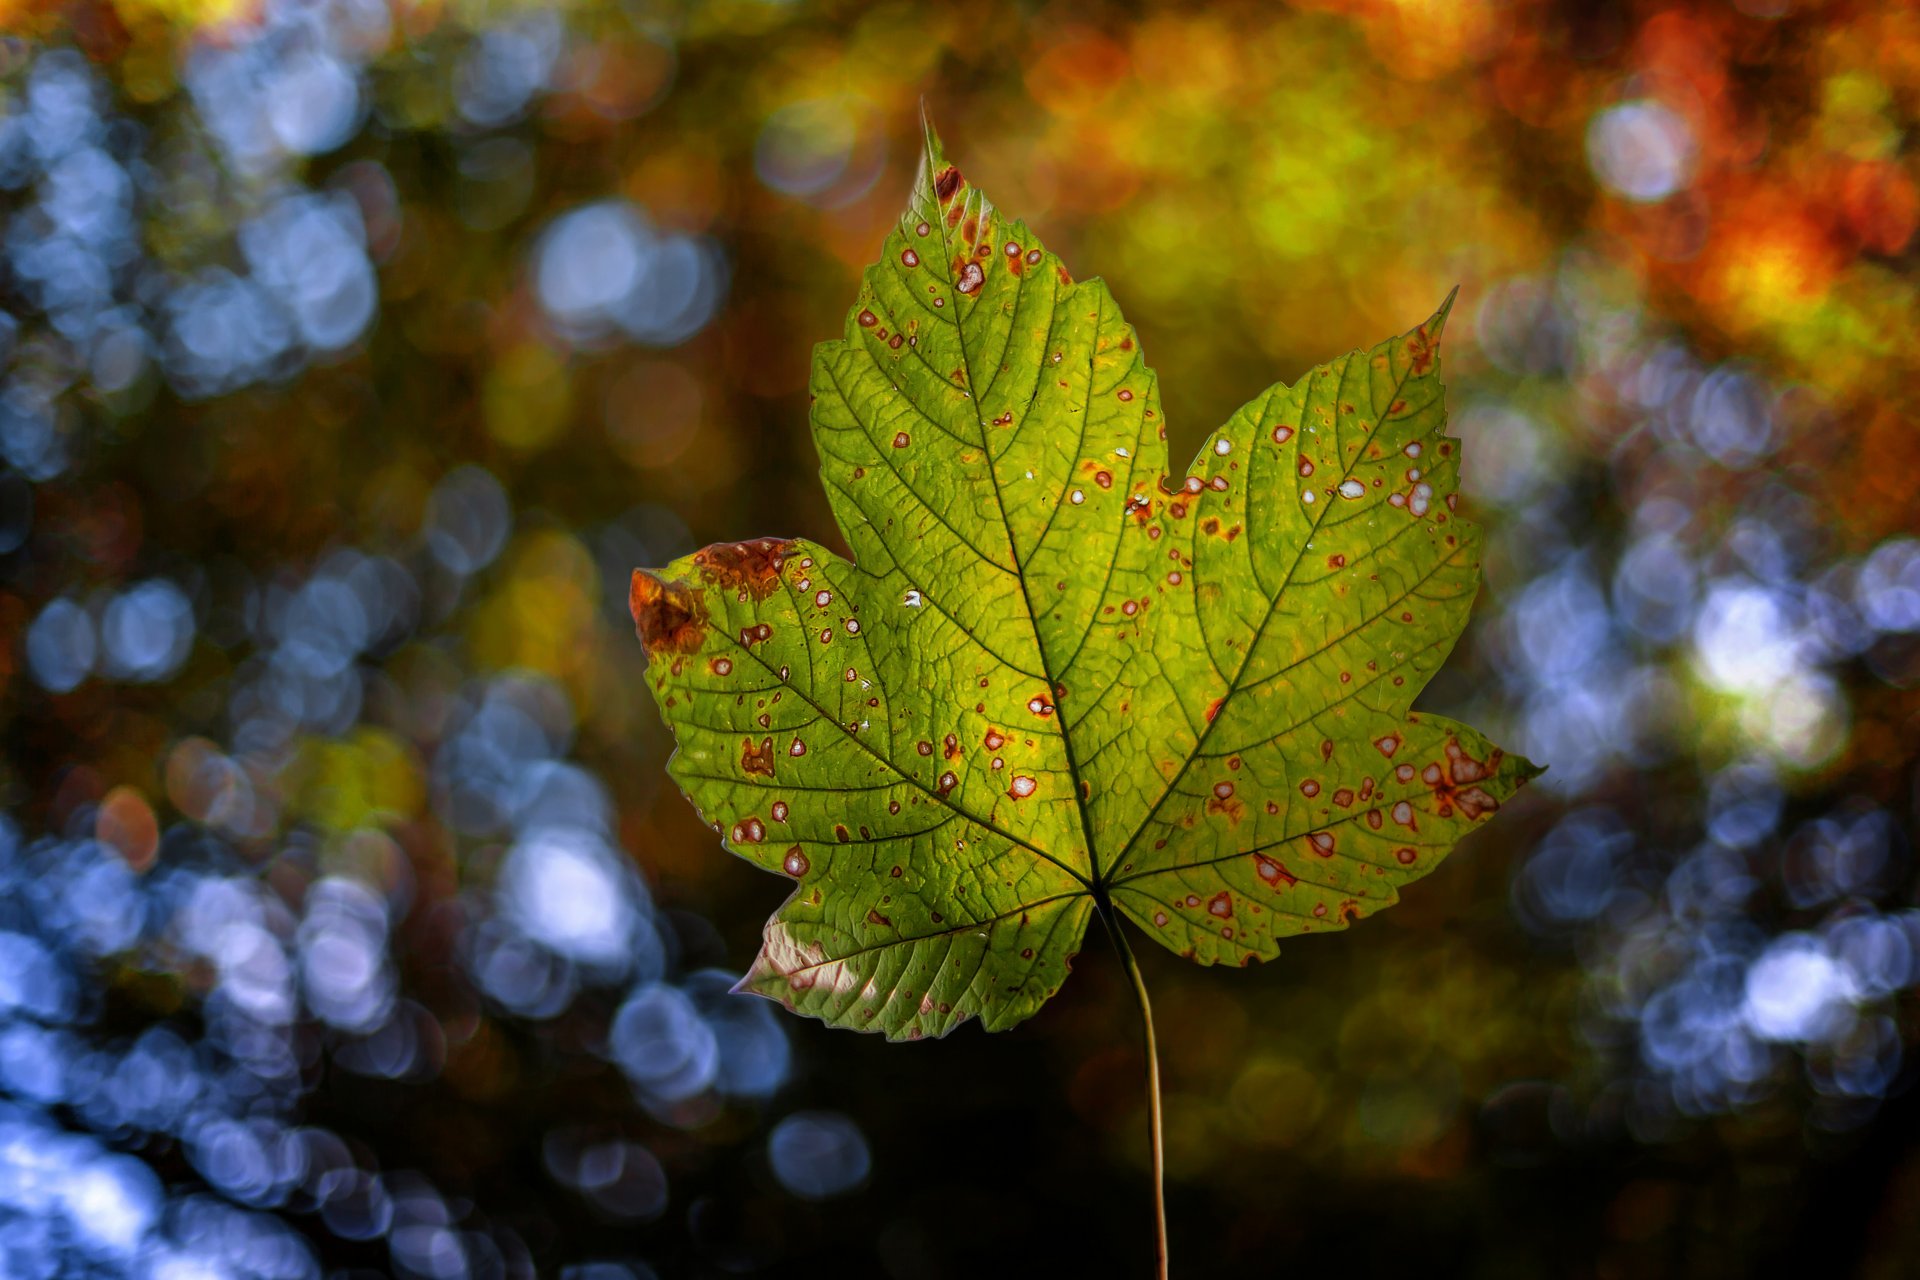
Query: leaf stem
[[1116, 931]]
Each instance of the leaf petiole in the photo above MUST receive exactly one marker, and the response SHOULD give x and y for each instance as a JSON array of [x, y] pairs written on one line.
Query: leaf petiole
[[1117, 932]]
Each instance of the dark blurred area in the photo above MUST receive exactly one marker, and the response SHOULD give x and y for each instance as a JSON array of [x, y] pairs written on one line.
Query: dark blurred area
[[353, 353]]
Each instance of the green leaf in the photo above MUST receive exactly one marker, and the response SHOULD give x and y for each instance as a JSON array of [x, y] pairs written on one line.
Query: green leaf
[[1057, 677]]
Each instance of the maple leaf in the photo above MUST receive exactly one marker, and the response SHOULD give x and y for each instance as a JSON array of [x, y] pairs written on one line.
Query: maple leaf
[[1056, 678]]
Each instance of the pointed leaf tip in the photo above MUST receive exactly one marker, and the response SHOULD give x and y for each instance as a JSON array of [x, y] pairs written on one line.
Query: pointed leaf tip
[[937, 178], [932, 155], [1437, 323], [1422, 342], [930, 136]]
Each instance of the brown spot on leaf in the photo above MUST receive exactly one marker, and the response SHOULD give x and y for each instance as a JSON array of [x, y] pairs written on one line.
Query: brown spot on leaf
[[1475, 803], [1451, 786], [667, 616], [946, 183], [753, 567], [1421, 349], [757, 760], [1273, 873]]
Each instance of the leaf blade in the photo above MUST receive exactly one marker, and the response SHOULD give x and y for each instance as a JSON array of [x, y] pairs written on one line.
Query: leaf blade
[[1045, 648]]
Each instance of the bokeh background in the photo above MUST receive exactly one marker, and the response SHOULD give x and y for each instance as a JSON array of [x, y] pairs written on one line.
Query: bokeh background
[[351, 354]]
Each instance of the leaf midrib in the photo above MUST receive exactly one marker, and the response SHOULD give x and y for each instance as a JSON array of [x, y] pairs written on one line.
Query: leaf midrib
[[1092, 879]]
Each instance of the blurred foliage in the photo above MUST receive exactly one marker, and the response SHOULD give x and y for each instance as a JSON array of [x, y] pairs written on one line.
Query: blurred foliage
[[353, 355]]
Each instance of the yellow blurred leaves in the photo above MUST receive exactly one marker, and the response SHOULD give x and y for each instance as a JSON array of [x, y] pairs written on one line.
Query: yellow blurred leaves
[[527, 397], [654, 410], [369, 778], [1857, 117], [541, 615], [1187, 58], [185, 13], [1423, 39]]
